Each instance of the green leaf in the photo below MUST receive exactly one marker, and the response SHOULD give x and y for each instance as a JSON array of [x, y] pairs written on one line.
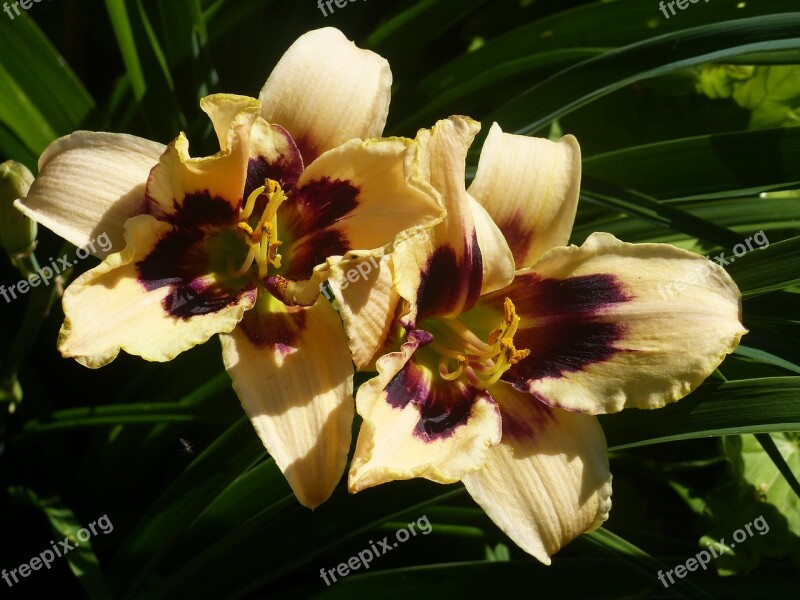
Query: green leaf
[[771, 268], [423, 22], [704, 164], [761, 471], [599, 24], [81, 558], [170, 517], [648, 209], [489, 580], [640, 561], [714, 409], [591, 79], [40, 96], [121, 23]]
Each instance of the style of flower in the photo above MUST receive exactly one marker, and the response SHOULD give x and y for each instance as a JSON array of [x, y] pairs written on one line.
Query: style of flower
[[511, 342], [238, 243]]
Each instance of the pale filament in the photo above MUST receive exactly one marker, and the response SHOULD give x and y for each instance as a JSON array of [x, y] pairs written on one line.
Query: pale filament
[[481, 363], [262, 240]]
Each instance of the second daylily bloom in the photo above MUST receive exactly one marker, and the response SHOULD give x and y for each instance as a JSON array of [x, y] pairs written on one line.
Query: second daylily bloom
[[238, 243], [510, 346]]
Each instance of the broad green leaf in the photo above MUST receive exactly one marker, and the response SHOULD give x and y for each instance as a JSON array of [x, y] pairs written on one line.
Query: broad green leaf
[[704, 164], [168, 519], [771, 268], [760, 471], [591, 79], [123, 30], [600, 578], [40, 96], [599, 24], [639, 560], [65, 525], [714, 409], [422, 23]]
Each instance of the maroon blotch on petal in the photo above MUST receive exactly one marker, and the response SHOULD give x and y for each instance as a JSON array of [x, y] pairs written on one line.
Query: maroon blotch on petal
[[176, 258], [286, 171], [518, 234], [197, 298], [569, 333], [179, 261], [279, 330], [443, 406], [525, 427], [308, 149], [447, 282], [448, 409], [320, 203], [312, 251], [198, 210]]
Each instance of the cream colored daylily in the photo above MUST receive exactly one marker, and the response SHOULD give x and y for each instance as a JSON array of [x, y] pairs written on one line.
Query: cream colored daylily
[[238, 243], [507, 349]]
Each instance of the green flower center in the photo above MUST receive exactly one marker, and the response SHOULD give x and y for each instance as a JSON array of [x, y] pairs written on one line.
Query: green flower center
[[262, 237], [462, 354]]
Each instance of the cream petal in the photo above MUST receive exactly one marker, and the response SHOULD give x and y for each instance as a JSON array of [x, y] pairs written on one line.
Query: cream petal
[[498, 261], [360, 197], [291, 370], [90, 184], [441, 273], [205, 191], [325, 91], [145, 301], [530, 187], [612, 325], [547, 481], [368, 305], [418, 425]]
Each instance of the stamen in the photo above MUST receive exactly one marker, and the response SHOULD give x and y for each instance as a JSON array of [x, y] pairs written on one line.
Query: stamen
[[251, 203], [452, 375], [465, 334], [482, 364], [262, 240]]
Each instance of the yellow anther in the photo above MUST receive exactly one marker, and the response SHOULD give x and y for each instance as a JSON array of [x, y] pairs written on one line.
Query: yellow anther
[[482, 363], [509, 311], [262, 239]]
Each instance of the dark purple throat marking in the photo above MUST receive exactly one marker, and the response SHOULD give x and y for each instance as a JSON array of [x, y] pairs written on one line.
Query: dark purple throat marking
[[179, 261], [447, 281], [274, 330], [523, 423], [310, 217], [444, 406], [569, 333], [197, 210], [286, 170], [518, 235], [309, 150]]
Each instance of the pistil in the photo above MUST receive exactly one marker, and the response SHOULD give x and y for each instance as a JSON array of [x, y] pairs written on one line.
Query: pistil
[[262, 240], [481, 363]]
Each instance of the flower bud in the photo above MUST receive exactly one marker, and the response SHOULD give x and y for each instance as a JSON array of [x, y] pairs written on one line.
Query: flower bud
[[17, 232]]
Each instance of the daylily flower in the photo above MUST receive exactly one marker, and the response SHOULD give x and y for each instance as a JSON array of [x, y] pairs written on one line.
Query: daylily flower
[[511, 347], [237, 243]]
